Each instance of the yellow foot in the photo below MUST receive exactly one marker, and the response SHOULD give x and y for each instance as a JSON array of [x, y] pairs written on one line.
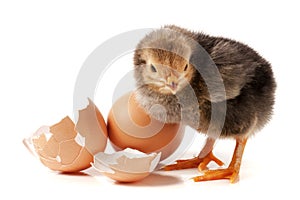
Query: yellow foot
[[229, 173], [232, 172], [184, 164], [201, 163]]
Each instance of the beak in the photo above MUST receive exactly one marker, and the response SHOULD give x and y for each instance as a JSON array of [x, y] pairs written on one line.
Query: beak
[[173, 87], [172, 83]]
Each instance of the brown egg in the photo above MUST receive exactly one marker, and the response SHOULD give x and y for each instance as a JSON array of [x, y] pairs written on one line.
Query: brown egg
[[130, 126], [68, 148]]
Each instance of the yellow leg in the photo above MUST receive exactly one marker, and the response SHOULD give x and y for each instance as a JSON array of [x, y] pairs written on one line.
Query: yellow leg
[[201, 161], [233, 169]]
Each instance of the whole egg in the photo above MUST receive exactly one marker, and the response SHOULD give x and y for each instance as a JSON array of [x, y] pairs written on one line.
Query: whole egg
[[129, 126]]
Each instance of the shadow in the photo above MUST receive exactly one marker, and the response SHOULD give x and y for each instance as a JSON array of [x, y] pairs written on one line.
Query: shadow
[[90, 175], [73, 173], [154, 179], [75, 177]]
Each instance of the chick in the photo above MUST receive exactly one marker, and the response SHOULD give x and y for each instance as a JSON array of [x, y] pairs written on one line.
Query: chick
[[167, 64]]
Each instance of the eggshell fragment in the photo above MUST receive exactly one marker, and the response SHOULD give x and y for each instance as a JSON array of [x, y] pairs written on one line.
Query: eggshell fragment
[[57, 149], [92, 127], [130, 126], [126, 166], [62, 147]]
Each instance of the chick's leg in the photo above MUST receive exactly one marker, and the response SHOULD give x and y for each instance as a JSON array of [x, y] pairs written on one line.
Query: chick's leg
[[201, 161], [233, 169]]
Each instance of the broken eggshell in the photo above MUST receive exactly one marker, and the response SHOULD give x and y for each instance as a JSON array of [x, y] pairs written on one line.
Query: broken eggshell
[[92, 127], [68, 148], [128, 165]]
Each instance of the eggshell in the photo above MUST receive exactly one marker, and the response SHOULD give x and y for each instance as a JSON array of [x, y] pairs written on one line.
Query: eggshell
[[126, 166], [68, 148], [130, 126], [92, 127]]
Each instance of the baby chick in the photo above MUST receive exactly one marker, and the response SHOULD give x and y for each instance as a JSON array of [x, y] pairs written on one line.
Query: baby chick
[[167, 65]]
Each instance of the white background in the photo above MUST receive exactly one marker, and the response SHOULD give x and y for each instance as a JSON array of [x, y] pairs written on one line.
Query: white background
[[42, 48]]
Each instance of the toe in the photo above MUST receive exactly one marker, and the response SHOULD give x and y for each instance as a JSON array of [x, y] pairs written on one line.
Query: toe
[[183, 164], [218, 174]]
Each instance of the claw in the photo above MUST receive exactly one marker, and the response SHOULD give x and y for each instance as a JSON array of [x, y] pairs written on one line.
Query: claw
[[207, 159], [200, 163], [184, 164], [228, 173]]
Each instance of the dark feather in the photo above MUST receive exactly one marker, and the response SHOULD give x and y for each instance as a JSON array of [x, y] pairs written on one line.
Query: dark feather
[[247, 77]]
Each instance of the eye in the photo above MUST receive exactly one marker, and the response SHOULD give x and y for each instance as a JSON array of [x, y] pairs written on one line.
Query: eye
[[153, 69], [186, 67]]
